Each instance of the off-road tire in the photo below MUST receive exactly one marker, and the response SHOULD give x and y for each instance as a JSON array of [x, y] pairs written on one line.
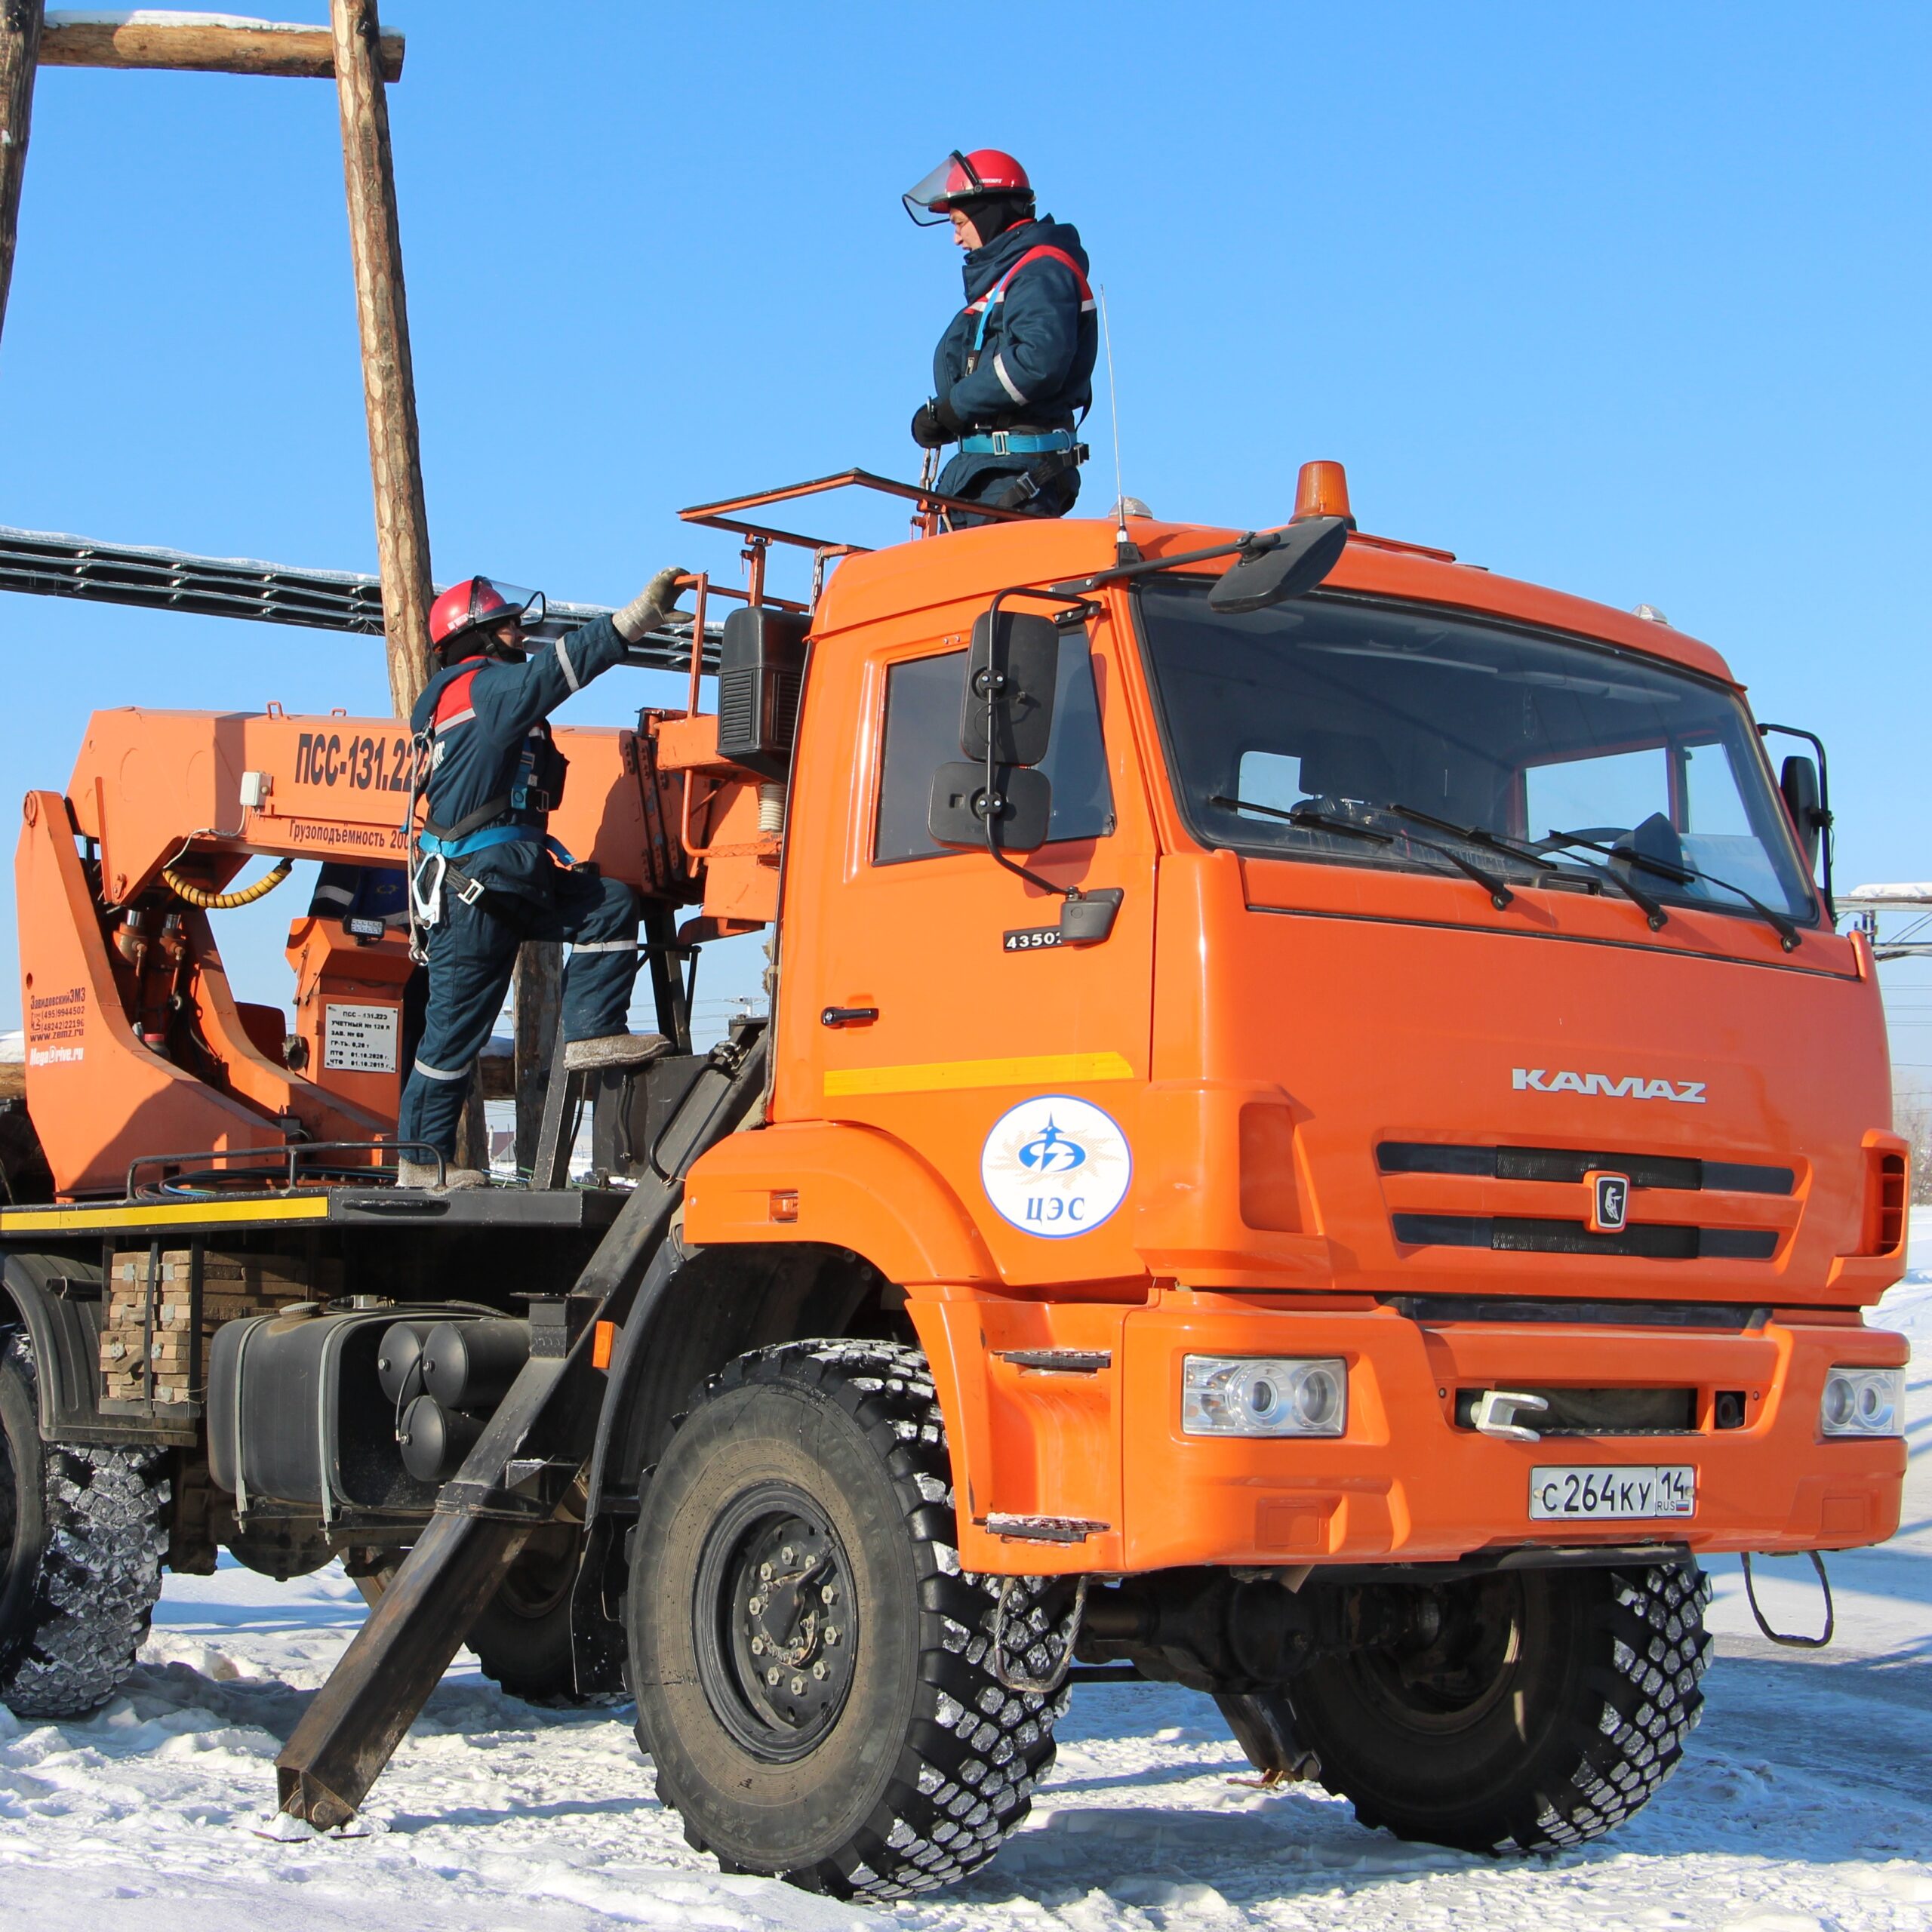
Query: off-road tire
[[81, 1540], [928, 1761], [522, 1639], [1583, 1716]]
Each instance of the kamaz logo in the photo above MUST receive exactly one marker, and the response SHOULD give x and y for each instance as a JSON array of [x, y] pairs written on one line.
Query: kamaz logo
[[1631, 1087]]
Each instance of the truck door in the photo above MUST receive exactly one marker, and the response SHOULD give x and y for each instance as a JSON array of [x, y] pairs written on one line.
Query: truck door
[[944, 1010]]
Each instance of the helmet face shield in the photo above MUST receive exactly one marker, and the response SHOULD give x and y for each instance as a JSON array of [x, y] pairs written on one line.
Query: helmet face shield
[[494, 601], [929, 200]]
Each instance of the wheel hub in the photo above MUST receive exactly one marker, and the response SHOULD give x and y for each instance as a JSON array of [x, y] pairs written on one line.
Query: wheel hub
[[779, 1664]]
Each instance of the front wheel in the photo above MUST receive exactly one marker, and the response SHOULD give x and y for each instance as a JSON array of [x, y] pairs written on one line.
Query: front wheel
[[812, 1668], [1533, 1709]]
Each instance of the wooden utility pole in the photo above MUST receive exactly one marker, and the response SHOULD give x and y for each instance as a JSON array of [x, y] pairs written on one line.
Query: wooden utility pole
[[389, 395], [537, 995], [20, 54], [388, 376]]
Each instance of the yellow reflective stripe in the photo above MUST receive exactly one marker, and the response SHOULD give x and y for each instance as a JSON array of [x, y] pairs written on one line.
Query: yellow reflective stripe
[[66, 1221], [941, 1076]]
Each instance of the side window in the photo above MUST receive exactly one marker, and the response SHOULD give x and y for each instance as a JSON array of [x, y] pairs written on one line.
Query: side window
[[922, 700]]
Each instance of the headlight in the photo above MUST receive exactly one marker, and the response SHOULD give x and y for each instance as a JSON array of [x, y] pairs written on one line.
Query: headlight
[[1261, 1395], [1863, 1401]]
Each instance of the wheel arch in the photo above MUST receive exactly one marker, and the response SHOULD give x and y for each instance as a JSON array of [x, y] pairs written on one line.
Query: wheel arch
[[700, 1308], [65, 1333]]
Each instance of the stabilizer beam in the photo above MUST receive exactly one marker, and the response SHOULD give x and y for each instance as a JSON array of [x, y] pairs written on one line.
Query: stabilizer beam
[[512, 1483]]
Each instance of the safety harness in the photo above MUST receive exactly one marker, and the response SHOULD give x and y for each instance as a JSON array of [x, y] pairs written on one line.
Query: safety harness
[[1061, 448], [537, 785]]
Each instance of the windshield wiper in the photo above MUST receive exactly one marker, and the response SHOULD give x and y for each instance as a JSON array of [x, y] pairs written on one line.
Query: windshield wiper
[[1499, 894], [1789, 935], [1651, 909]]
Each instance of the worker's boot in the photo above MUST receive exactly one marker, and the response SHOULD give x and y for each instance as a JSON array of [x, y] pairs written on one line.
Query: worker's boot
[[423, 1174], [615, 1052]]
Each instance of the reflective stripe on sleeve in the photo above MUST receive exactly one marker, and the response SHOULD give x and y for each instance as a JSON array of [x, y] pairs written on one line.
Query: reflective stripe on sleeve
[[429, 1073], [564, 659], [607, 945], [455, 717], [1006, 381]]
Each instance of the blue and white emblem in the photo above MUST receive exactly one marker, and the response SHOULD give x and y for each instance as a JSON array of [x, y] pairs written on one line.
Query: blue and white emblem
[[1056, 1167]]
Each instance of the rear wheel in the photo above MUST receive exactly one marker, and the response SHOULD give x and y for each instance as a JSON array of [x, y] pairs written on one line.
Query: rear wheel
[[811, 1666], [81, 1546], [522, 1639], [1531, 1709]]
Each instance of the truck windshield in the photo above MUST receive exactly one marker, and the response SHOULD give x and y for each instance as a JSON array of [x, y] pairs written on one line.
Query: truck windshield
[[1383, 728]]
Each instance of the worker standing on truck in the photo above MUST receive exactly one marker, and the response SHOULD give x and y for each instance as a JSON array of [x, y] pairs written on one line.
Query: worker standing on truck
[[1013, 372], [486, 875]]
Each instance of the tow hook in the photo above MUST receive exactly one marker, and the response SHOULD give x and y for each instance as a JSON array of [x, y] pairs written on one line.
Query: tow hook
[[1496, 1415]]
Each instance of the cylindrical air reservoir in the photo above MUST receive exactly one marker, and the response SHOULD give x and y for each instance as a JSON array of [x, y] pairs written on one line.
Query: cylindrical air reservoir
[[435, 1440], [471, 1365], [398, 1361]]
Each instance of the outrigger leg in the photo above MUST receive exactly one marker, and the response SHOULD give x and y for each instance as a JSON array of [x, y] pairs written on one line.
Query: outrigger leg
[[511, 1484]]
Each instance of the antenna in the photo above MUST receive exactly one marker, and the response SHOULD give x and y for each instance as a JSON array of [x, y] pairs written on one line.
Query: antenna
[[1125, 549]]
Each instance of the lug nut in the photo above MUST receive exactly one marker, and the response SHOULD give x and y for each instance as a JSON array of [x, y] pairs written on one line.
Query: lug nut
[[758, 1647], [818, 1669], [756, 1606], [785, 1555], [832, 1633], [798, 1686], [771, 1676], [828, 1595], [765, 1573]]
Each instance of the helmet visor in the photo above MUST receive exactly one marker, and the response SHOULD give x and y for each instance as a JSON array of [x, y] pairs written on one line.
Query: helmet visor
[[930, 200], [494, 601]]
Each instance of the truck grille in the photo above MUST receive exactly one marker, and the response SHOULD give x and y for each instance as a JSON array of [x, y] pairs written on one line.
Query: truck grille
[[1522, 1234], [1564, 1164]]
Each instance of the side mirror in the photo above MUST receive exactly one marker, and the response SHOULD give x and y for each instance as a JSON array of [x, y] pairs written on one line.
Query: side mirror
[[1012, 672], [1017, 810], [1798, 779], [1294, 562]]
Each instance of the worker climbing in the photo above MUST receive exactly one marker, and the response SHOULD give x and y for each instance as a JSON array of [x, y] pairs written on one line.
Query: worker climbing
[[1013, 373], [486, 875]]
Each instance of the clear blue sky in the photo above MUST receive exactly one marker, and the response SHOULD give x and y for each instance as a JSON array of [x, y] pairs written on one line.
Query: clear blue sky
[[1630, 300]]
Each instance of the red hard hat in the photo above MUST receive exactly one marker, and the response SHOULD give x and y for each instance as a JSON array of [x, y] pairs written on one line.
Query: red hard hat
[[959, 177], [478, 601]]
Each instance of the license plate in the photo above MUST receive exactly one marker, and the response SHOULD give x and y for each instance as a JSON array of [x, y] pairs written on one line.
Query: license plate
[[1595, 1493]]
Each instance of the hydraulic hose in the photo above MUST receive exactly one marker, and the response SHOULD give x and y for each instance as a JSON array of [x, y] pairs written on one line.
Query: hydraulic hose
[[226, 902]]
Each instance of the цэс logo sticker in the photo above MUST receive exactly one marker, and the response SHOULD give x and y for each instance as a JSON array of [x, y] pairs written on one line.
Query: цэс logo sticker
[[1055, 1166]]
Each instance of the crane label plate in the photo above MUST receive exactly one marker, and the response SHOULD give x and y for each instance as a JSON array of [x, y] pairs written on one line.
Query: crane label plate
[[360, 1039]]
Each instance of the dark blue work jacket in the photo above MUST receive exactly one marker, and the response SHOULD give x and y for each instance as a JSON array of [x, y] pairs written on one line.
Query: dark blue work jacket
[[491, 748], [1035, 363]]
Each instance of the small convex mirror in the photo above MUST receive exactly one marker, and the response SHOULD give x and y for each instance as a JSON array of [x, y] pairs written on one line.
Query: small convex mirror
[[1017, 810], [1297, 559], [1010, 673]]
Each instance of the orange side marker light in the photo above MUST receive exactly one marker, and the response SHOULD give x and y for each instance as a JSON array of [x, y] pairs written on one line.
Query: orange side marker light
[[603, 1341]]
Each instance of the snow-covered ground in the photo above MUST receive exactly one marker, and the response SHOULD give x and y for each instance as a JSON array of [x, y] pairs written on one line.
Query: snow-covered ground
[[1805, 1804]]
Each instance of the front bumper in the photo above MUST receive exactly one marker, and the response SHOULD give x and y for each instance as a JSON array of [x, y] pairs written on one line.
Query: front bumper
[[1088, 1469], [1407, 1484]]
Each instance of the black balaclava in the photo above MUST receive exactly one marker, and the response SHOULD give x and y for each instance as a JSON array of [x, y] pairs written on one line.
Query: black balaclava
[[992, 215]]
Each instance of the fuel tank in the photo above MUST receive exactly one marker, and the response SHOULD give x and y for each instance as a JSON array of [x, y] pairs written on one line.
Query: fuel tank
[[1559, 1103]]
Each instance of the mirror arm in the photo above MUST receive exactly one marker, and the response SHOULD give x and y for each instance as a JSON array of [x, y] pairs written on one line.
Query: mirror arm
[[1825, 840]]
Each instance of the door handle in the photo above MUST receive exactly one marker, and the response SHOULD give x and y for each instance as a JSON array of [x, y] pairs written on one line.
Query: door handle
[[848, 1016]]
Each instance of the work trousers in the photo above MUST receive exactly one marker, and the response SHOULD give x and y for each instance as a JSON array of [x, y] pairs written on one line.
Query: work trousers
[[981, 479], [472, 953]]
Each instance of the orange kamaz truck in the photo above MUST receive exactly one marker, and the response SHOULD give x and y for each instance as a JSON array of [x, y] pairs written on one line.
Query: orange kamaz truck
[[1314, 1139]]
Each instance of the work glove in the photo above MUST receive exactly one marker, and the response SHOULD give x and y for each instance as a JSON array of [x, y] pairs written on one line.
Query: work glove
[[935, 424], [650, 607]]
